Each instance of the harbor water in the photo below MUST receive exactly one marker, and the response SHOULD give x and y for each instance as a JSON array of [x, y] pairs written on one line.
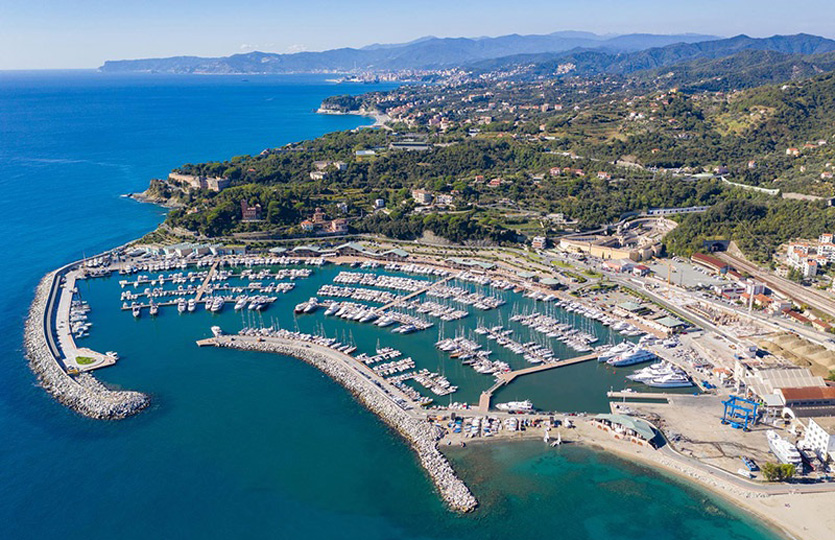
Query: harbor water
[[248, 445]]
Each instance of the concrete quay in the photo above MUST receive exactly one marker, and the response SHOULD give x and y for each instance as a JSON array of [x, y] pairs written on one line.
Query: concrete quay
[[421, 435], [83, 394]]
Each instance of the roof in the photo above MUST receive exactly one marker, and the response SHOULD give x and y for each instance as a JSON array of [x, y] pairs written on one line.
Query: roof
[[630, 306], [470, 262], [670, 322], [639, 426], [526, 275], [397, 251], [549, 281], [709, 260], [808, 393], [278, 250], [827, 423]]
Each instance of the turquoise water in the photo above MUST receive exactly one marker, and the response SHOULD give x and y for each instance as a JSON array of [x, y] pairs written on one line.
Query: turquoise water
[[243, 445]]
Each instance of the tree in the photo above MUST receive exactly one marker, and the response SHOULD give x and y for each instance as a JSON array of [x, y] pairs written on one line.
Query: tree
[[778, 473]]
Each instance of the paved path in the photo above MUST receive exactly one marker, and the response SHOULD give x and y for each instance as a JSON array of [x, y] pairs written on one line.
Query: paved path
[[205, 283], [411, 295]]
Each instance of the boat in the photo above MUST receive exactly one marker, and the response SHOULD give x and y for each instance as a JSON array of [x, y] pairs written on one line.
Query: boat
[[632, 357], [137, 311], [785, 451], [181, 306], [216, 331], [239, 305], [154, 310], [516, 406], [192, 305]]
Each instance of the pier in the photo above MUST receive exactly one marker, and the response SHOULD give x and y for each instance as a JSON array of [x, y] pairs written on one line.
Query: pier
[[642, 395], [202, 289], [409, 296], [503, 379]]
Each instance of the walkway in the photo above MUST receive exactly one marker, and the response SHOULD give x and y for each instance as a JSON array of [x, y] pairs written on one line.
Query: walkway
[[206, 281], [409, 296]]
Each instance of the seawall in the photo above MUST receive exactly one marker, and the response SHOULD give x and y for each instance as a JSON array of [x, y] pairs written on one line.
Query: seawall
[[83, 394], [421, 435]]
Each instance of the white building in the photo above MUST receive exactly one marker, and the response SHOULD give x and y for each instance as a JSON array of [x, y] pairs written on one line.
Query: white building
[[538, 242], [820, 437]]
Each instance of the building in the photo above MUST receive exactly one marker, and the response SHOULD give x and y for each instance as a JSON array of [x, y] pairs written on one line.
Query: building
[[421, 196], [213, 183], [308, 226], [820, 437], [539, 242], [379, 203], [809, 401], [250, 213], [710, 263], [445, 199], [318, 175], [618, 265], [628, 428], [338, 226], [674, 211]]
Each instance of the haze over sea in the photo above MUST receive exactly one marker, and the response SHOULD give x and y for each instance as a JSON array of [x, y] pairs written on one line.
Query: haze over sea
[[239, 445]]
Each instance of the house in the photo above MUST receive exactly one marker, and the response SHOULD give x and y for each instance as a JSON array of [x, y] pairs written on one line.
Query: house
[[379, 203], [603, 175], [365, 153], [445, 199], [495, 182], [342, 207], [555, 171], [339, 225], [250, 213], [821, 326], [321, 165], [308, 226], [318, 175], [214, 183], [421, 196], [792, 152], [539, 242]]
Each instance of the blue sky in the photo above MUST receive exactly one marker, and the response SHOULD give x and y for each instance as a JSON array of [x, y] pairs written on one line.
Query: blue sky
[[39, 34]]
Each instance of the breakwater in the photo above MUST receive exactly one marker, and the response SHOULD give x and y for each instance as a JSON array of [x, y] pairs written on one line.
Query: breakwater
[[421, 435], [83, 394]]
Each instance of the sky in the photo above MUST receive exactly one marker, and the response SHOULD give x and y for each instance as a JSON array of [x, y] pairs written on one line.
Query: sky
[[68, 34]]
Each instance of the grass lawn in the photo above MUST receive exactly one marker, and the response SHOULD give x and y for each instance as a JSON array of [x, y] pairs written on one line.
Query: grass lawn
[[84, 360]]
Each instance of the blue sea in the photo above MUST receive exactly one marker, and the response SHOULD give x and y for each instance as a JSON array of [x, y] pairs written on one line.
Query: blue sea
[[240, 445]]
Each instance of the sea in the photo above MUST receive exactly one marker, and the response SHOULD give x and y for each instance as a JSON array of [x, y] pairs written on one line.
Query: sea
[[247, 445]]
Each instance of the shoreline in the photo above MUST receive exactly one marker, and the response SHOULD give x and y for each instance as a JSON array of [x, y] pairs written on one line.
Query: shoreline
[[379, 118], [87, 396]]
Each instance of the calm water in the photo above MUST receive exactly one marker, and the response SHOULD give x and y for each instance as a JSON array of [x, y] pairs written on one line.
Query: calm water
[[244, 445]]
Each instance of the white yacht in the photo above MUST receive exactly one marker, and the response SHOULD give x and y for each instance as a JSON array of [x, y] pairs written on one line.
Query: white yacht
[[516, 406], [785, 451], [632, 357]]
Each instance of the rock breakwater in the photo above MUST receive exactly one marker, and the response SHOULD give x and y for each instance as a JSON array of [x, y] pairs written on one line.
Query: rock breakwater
[[84, 394], [421, 435]]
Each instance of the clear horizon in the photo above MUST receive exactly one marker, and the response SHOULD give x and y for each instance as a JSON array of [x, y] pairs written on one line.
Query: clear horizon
[[83, 34]]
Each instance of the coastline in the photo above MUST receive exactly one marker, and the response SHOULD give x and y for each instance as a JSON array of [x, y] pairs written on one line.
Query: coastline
[[379, 118], [90, 398]]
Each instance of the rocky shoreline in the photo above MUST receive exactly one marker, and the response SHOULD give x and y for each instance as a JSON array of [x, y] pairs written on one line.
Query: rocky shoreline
[[422, 436], [83, 394]]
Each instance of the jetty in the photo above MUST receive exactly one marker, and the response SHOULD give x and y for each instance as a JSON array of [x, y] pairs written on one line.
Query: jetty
[[81, 393], [415, 294], [642, 395], [202, 289], [421, 435], [506, 378]]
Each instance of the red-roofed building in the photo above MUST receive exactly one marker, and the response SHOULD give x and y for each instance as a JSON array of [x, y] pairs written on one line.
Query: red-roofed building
[[710, 262]]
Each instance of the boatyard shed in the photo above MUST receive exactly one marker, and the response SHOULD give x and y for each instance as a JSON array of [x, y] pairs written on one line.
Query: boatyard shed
[[469, 264], [626, 427]]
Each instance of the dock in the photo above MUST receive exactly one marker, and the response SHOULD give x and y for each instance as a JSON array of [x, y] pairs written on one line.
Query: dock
[[404, 299], [503, 379], [642, 395], [202, 289]]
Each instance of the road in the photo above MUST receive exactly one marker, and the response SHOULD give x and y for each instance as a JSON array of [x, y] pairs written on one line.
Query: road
[[803, 295]]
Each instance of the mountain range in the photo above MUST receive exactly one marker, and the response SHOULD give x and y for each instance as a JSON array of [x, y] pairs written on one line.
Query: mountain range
[[424, 53]]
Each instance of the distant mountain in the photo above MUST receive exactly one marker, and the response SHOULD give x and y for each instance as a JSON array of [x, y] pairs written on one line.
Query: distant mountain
[[424, 53], [594, 61]]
